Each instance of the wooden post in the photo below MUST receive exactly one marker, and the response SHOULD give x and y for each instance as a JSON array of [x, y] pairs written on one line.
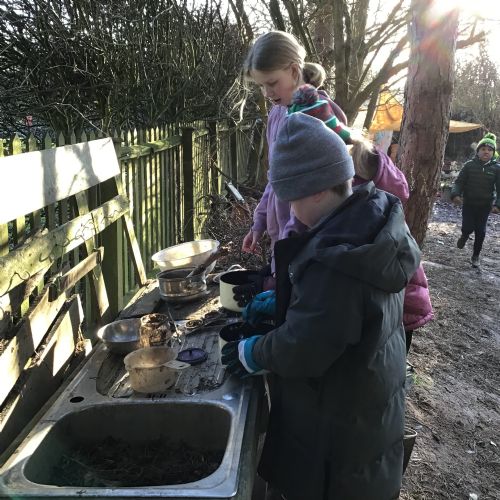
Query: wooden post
[[233, 146], [254, 154], [188, 182], [261, 174], [112, 265], [5, 308], [215, 186], [19, 226]]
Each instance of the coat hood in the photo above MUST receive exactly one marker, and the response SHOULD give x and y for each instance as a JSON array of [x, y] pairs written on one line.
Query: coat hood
[[367, 238]]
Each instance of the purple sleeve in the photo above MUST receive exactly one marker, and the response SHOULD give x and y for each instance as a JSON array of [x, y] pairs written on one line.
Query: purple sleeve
[[293, 225], [389, 178], [275, 119], [260, 213]]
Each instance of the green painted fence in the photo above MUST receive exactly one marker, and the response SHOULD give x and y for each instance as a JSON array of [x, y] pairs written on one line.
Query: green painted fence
[[168, 173]]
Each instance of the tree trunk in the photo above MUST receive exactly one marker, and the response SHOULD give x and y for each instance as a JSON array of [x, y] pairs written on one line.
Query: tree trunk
[[428, 93], [322, 34]]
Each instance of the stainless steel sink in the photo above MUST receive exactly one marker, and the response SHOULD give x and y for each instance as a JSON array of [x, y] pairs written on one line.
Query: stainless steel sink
[[82, 442], [209, 421]]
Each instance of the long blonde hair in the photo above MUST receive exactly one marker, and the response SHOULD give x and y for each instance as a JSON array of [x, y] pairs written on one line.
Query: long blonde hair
[[277, 50]]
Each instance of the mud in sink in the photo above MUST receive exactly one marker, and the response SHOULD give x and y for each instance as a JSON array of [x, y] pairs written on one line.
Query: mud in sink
[[175, 449], [132, 446]]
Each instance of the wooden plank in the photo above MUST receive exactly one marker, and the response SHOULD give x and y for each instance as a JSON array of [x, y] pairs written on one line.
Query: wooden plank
[[32, 330], [200, 132], [46, 248], [68, 280], [5, 314], [54, 174], [100, 306], [133, 244], [35, 217], [149, 201], [146, 300], [155, 201], [5, 307], [137, 150], [112, 267], [214, 157], [142, 200], [233, 145], [44, 375], [19, 226], [163, 221], [178, 203], [188, 183]]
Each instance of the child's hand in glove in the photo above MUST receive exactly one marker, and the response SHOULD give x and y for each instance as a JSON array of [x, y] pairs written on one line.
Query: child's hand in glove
[[238, 358], [263, 306]]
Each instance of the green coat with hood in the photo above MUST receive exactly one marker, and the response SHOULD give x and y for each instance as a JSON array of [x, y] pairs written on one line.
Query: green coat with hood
[[338, 356], [477, 182]]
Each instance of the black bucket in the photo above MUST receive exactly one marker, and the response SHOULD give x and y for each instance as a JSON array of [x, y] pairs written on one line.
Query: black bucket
[[409, 438]]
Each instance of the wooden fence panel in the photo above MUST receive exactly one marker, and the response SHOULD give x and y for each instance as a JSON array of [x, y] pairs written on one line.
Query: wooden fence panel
[[167, 203]]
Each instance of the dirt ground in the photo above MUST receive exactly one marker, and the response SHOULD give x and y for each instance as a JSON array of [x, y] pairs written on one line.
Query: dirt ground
[[454, 403]]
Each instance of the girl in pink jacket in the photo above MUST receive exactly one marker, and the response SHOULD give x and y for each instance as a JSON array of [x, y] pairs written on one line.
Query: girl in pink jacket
[[371, 164]]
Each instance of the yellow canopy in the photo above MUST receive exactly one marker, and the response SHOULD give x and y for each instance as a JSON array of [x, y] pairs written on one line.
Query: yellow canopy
[[389, 115], [457, 127]]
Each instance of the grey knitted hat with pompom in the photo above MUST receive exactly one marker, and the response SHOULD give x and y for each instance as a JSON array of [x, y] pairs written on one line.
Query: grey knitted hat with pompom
[[308, 157]]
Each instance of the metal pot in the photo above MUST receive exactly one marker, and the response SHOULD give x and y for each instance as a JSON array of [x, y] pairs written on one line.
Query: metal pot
[[240, 330], [153, 369], [227, 282], [176, 287]]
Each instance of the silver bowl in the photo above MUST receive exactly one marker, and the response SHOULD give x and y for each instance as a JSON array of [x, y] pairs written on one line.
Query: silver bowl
[[121, 337], [184, 255], [175, 287]]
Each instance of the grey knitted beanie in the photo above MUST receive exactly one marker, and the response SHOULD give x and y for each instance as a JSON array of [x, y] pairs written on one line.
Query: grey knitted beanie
[[308, 157]]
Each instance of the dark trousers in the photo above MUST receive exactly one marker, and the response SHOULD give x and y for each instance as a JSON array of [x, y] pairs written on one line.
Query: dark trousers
[[474, 219]]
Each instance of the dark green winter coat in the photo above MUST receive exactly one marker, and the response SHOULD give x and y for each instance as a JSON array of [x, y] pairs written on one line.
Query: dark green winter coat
[[477, 183], [338, 358]]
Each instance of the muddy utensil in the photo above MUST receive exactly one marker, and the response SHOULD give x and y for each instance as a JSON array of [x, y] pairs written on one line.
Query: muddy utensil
[[219, 252], [173, 326]]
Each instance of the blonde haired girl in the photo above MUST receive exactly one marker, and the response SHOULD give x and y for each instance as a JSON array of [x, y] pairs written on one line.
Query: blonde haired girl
[[276, 63]]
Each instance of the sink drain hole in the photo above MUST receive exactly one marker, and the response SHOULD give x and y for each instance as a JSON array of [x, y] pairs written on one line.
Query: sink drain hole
[[76, 399]]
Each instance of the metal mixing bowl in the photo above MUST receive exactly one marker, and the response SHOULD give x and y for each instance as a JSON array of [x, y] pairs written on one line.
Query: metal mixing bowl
[[184, 255], [121, 337], [175, 287]]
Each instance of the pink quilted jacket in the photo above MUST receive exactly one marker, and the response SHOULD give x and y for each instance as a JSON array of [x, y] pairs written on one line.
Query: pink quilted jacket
[[417, 309]]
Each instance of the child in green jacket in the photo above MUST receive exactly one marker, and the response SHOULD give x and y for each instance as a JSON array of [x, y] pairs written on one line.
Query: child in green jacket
[[475, 189]]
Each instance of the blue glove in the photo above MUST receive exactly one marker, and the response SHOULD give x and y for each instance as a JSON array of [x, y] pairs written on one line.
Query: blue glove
[[238, 358], [263, 306]]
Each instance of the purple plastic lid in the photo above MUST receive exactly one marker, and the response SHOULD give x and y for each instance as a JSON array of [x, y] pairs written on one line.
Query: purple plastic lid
[[193, 356]]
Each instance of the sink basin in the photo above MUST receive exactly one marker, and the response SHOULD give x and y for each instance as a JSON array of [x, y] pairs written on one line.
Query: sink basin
[[79, 445], [132, 445]]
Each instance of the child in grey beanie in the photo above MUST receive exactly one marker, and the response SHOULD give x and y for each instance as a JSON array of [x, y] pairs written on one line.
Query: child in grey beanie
[[338, 340], [308, 157]]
